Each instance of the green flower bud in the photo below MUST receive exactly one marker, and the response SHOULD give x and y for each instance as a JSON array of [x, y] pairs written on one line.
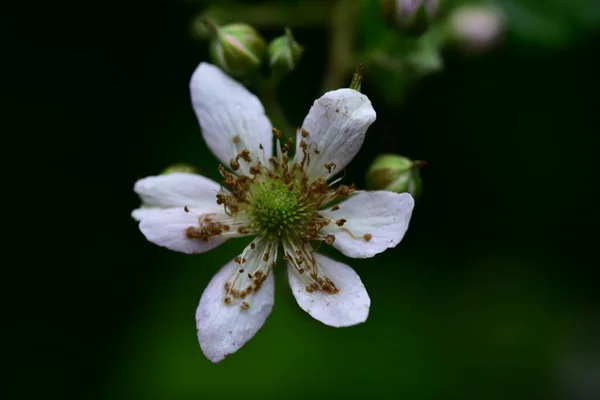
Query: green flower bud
[[236, 48], [180, 167], [284, 52], [411, 16], [396, 174]]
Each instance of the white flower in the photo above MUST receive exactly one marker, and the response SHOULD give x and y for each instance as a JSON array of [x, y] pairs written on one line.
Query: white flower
[[279, 201]]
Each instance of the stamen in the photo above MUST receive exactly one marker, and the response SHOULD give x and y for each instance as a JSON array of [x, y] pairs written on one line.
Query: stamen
[[242, 284], [304, 260]]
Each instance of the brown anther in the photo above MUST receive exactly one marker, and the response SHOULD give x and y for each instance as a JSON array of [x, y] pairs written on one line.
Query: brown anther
[[286, 257], [301, 271], [244, 306], [266, 257], [236, 139], [195, 233], [344, 191], [367, 236], [330, 166], [227, 300], [243, 230], [309, 289], [276, 132], [340, 222], [224, 173], [226, 228], [335, 208], [243, 260], [254, 170], [245, 155], [260, 146], [305, 133], [234, 164], [252, 245], [186, 209], [291, 187], [329, 239], [238, 259], [241, 271]]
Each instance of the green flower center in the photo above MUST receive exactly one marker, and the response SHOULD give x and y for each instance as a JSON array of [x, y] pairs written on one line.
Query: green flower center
[[275, 209]]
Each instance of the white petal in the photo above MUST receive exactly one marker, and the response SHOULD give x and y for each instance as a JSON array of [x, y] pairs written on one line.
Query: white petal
[[230, 116], [336, 123], [381, 214], [224, 328], [350, 306], [178, 189], [167, 228]]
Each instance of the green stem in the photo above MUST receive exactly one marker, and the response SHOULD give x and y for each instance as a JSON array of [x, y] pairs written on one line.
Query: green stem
[[342, 27], [267, 91]]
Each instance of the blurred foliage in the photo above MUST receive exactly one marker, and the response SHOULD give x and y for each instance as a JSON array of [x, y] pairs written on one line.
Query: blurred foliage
[[550, 23]]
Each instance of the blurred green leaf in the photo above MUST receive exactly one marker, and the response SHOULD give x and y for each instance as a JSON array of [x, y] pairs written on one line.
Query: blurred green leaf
[[550, 22]]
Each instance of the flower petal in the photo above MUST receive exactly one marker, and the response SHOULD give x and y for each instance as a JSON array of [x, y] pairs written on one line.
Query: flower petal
[[350, 306], [178, 189], [167, 228], [336, 123], [374, 222], [224, 328], [230, 116]]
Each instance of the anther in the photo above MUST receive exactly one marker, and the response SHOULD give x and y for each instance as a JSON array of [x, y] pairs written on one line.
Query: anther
[[245, 155], [276, 132], [367, 236], [187, 210], [236, 139], [335, 208], [305, 133], [244, 306], [340, 222]]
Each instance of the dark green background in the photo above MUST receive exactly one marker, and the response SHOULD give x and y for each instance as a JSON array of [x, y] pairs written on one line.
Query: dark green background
[[493, 294]]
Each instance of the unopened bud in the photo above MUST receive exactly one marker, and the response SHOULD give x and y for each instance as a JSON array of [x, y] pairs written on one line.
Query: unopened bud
[[411, 16], [237, 48], [284, 52], [181, 167], [476, 27], [396, 174]]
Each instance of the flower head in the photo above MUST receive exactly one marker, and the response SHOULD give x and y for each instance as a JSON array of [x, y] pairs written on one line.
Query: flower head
[[285, 203]]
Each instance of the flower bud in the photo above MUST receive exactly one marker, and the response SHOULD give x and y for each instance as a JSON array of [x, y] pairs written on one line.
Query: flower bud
[[411, 16], [396, 174], [180, 167], [284, 52], [476, 27], [237, 48]]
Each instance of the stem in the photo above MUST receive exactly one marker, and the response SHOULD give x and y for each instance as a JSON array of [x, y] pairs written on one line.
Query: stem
[[341, 44], [267, 91]]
